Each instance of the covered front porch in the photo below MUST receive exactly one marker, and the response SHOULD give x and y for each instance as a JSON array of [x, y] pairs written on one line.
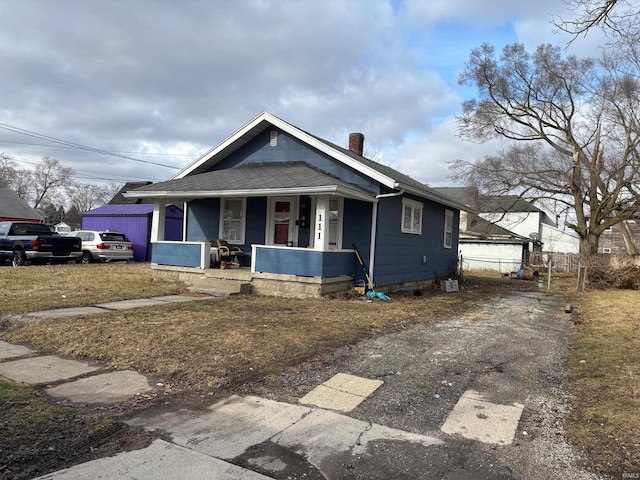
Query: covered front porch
[[279, 271]]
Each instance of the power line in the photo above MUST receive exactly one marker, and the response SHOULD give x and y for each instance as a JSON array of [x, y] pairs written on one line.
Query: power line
[[62, 147], [91, 177], [40, 136]]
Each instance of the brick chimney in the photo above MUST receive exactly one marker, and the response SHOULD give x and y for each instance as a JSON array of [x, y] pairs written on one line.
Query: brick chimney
[[356, 143]]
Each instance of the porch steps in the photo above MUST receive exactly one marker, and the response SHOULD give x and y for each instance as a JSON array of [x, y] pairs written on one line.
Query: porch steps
[[219, 286]]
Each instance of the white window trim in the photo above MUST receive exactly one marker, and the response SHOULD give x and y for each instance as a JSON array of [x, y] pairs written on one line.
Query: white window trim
[[448, 218], [243, 223], [413, 205]]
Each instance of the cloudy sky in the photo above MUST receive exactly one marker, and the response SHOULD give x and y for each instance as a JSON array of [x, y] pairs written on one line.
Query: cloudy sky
[[163, 81]]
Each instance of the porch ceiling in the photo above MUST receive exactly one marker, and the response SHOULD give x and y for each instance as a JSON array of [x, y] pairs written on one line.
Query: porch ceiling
[[255, 179]]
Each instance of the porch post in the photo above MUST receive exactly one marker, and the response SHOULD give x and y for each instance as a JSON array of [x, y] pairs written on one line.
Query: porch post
[[157, 222], [321, 242]]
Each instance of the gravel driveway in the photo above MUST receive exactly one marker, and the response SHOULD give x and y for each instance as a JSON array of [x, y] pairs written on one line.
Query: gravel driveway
[[513, 349]]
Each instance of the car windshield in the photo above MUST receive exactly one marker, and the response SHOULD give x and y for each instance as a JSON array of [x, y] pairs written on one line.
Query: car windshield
[[113, 237]]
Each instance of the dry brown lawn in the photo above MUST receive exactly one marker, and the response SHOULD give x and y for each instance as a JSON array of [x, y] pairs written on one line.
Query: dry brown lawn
[[207, 343], [43, 287], [605, 381]]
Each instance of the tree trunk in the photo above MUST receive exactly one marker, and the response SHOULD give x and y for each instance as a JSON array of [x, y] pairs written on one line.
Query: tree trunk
[[589, 244], [629, 243]]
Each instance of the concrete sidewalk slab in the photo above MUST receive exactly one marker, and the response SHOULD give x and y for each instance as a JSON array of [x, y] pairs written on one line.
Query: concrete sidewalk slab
[[9, 350], [160, 460], [237, 425], [230, 426], [44, 369], [127, 304], [342, 392], [179, 298], [66, 312], [476, 418], [112, 387], [323, 434]]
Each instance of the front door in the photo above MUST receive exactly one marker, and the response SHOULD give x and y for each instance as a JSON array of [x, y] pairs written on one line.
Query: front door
[[283, 221]]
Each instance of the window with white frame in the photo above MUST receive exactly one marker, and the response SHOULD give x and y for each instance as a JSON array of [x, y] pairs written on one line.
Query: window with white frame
[[448, 228], [232, 219], [411, 216], [335, 222]]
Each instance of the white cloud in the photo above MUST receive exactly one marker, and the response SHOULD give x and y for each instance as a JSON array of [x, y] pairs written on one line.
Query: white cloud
[[181, 76]]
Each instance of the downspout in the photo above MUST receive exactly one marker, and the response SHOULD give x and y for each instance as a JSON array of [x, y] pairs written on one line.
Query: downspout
[[374, 224]]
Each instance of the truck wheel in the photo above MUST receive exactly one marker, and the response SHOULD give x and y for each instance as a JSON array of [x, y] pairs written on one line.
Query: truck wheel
[[86, 258], [17, 259]]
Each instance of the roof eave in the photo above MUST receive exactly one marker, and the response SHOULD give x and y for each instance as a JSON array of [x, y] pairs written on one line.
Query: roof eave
[[437, 198], [263, 192]]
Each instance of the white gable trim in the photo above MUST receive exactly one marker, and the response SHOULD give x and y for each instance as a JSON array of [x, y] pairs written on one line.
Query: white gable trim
[[297, 133]]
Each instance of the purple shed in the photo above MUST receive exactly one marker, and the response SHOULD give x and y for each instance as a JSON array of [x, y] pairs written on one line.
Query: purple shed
[[135, 222]]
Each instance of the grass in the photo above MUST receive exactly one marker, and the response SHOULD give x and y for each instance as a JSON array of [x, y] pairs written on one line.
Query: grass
[[605, 381], [212, 342], [204, 345], [43, 287]]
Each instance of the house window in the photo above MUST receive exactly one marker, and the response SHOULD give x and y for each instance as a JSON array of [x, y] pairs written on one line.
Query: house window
[[448, 228], [411, 216], [335, 222], [232, 220]]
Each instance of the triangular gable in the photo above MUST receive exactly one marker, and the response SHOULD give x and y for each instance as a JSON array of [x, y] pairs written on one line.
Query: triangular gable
[[261, 123]]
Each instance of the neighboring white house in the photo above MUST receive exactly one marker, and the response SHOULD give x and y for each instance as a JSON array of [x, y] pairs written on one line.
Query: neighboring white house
[[530, 220], [504, 232], [62, 227]]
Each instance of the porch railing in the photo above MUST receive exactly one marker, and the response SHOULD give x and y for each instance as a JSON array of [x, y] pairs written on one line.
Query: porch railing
[[181, 254], [303, 262]]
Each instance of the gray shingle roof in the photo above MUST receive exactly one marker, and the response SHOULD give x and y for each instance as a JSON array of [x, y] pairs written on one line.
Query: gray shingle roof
[[256, 176], [11, 205]]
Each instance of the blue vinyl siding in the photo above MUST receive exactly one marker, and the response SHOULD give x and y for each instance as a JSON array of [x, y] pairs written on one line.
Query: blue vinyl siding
[[357, 230], [399, 256], [290, 149], [304, 262], [203, 220]]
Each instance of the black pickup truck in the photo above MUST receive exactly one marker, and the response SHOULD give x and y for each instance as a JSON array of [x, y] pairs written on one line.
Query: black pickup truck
[[36, 242]]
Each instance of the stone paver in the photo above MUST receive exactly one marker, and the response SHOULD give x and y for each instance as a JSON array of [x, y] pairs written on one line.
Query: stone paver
[[342, 392], [8, 350], [160, 460], [45, 369], [109, 387], [476, 418]]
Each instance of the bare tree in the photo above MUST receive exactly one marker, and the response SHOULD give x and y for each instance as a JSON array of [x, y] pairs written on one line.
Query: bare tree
[[13, 178], [48, 178], [619, 19], [86, 196], [111, 189], [574, 132]]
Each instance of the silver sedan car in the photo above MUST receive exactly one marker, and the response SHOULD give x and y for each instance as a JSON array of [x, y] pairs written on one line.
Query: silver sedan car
[[104, 246]]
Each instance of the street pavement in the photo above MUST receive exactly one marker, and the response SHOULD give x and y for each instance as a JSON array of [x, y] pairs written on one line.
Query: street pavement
[[337, 425]]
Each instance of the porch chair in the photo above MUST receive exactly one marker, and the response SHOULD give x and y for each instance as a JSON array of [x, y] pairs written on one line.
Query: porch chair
[[225, 252]]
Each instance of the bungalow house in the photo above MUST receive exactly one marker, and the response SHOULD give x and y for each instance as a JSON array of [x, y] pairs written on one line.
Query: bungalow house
[[15, 209], [297, 205]]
